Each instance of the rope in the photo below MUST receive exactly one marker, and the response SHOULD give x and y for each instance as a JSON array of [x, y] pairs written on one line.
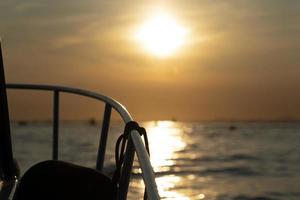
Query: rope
[[120, 149]]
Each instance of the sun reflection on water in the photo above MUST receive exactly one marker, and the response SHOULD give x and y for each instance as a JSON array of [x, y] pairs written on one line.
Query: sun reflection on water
[[166, 184], [165, 139]]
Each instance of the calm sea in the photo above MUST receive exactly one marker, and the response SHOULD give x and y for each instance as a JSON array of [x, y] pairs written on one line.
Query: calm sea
[[213, 161]]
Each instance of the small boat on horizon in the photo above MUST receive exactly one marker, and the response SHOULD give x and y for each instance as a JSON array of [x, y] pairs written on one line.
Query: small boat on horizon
[[232, 127]]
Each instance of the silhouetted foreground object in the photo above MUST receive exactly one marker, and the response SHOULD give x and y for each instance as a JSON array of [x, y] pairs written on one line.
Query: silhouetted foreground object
[[6, 157], [8, 167], [57, 180]]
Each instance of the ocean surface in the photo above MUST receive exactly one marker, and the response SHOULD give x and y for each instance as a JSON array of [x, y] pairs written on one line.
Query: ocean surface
[[210, 161]]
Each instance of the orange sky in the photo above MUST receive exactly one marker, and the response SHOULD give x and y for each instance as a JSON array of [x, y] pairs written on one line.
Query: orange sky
[[240, 60]]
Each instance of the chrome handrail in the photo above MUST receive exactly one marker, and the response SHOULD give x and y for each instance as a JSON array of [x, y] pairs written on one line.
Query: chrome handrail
[[135, 145], [115, 104]]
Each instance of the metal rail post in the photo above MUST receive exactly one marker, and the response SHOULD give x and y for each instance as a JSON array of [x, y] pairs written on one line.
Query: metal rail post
[[103, 138], [126, 170], [7, 172], [55, 125]]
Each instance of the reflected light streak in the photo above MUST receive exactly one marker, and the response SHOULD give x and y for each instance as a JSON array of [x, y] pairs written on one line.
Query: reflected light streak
[[165, 139], [201, 196], [165, 185]]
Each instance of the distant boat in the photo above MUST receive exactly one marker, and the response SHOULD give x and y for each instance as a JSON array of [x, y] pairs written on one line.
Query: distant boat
[[132, 143], [232, 127], [92, 122], [22, 123]]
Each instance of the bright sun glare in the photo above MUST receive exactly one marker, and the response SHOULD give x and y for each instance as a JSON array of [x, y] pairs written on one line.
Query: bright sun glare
[[161, 35]]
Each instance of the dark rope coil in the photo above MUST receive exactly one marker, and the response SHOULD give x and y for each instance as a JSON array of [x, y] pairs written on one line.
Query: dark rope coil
[[120, 150]]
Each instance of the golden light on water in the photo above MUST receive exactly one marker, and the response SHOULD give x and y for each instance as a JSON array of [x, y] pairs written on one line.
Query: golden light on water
[[165, 185], [161, 35], [166, 139], [201, 196]]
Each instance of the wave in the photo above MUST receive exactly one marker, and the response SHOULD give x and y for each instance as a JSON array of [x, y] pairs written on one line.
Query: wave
[[241, 171], [218, 158], [253, 198], [236, 171]]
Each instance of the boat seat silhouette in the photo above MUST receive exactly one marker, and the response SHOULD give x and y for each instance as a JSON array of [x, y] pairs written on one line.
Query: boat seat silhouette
[[58, 180]]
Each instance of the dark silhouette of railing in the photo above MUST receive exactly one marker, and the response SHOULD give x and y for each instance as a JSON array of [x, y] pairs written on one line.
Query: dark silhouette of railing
[[135, 143]]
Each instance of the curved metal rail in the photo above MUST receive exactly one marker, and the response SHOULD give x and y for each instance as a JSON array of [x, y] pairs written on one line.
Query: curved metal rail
[[135, 143]]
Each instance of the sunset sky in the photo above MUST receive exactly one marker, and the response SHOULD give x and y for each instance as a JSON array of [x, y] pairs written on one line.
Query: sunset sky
[[236, 60]]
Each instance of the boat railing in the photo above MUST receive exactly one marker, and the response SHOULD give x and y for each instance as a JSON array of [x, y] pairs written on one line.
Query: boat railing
[[135, 143]]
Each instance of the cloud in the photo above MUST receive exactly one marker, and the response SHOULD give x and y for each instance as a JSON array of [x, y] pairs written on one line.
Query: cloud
[[232, 43]]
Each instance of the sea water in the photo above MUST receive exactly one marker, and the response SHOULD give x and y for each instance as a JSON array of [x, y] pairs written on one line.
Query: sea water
[[210, 161]]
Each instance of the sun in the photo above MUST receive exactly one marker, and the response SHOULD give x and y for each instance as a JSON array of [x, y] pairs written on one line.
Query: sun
[[161, 35]]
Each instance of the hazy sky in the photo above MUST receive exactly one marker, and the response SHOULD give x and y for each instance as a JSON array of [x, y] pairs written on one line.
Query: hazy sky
[[241, 59]]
